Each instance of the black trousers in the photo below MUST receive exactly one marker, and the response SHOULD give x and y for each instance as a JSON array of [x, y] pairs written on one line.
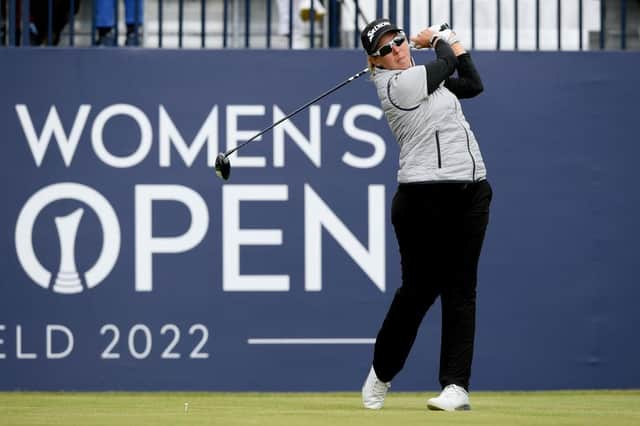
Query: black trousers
[[440, 228]]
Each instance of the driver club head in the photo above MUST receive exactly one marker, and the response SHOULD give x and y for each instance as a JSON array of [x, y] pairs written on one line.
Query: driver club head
[[223, 166]]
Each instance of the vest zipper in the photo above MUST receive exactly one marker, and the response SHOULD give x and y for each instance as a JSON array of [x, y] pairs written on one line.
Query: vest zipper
[[438, 148], [473, 160]]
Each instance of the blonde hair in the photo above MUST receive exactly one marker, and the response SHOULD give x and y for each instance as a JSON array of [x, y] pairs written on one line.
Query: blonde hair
[[371, 66]]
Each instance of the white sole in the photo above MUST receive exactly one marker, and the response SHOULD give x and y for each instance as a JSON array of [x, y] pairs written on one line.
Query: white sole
[[464, 407]]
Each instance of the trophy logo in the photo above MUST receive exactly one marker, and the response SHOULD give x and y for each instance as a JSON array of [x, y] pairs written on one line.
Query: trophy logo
[[67, 279]]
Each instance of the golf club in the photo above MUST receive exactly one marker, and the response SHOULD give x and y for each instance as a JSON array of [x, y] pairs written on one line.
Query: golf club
[[223, 166]]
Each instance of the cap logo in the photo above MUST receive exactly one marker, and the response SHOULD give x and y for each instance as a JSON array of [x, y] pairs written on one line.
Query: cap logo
[[373, 30]]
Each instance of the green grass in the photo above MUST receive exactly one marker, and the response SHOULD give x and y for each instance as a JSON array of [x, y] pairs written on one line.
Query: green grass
[[308, 409]]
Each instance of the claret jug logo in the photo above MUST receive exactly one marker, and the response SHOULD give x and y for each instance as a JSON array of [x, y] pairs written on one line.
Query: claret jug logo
[[67, 280]]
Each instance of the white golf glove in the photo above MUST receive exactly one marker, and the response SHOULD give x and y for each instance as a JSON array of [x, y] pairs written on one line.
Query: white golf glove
[[449, 36]]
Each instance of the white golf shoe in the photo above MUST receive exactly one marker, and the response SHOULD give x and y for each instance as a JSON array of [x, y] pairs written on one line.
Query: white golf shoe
[[452, 398], [373, 391]]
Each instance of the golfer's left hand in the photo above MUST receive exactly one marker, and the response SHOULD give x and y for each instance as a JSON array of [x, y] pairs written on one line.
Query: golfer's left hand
[[424, 38], [449, 36]]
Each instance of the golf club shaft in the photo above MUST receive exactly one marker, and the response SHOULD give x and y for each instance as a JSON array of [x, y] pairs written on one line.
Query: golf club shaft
[[328, 92]]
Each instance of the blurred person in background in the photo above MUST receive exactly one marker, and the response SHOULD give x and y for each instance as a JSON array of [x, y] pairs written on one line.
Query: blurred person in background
[[305, 10], [301, 16], [105, 22], [39, 22], [440, 210], [3, 23]]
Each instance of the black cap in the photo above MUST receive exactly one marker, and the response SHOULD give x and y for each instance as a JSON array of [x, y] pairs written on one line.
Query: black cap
[[373, 31]]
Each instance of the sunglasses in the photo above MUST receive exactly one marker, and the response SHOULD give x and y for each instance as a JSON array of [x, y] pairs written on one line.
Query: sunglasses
[[385, 49]]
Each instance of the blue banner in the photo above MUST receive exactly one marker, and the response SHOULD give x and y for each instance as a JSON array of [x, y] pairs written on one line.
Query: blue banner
[[128, 265]]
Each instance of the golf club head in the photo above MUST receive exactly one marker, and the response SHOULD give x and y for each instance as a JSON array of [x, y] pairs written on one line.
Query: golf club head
[[223, 166]]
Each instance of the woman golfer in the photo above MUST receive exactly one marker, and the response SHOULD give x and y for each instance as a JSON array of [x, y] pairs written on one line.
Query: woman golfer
[[440, 210]]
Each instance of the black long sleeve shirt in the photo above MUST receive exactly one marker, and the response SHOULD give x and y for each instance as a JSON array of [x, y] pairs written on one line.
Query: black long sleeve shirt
[[466, 85]]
